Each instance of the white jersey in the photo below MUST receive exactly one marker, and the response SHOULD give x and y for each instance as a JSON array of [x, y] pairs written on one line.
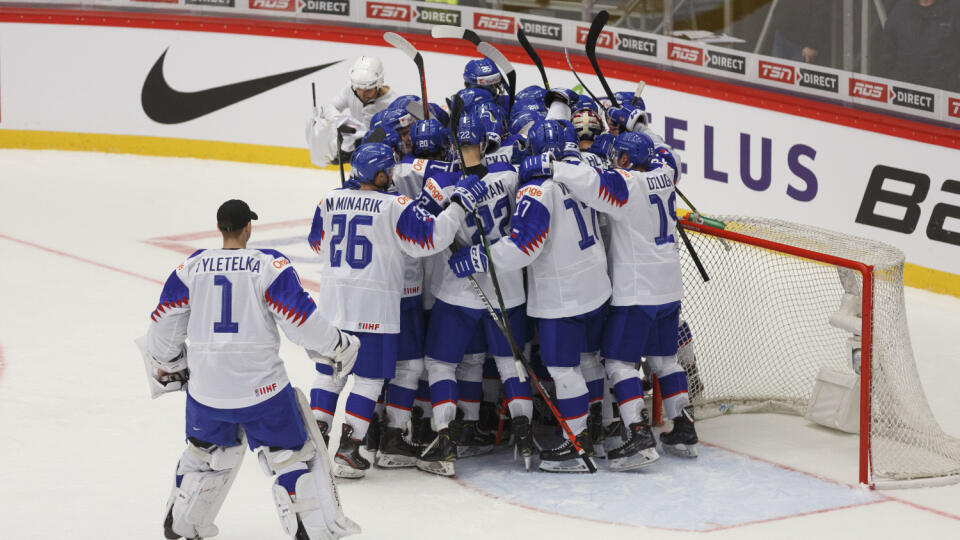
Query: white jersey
[[408, 178], [362, 237], [557, 236], [494, 210], [644, 261], [348, 103], [228, 303], [593, 160]]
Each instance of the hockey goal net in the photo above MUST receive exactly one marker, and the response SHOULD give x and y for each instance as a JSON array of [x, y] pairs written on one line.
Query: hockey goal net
[[761, 333]]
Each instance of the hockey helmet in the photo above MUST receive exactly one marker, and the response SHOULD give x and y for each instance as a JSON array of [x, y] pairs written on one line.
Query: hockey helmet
[[370, 159], [546, 137], [366, 73], [638, 147]]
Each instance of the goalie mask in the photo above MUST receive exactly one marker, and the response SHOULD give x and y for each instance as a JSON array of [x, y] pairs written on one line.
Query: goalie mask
[[587, 124]]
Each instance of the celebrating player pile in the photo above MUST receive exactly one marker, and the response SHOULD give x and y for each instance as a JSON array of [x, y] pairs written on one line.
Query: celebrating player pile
[[531, 234]]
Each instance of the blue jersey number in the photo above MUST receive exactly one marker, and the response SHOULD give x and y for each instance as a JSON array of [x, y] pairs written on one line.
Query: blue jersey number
[[586, 239], [225, 325], [359, 248], [671, 210], [496, 218]]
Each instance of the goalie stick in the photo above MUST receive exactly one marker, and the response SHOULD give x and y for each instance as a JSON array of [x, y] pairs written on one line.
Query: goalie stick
[[487, 50], [504, 323], [532, 53], [591, 49], [408, 49]]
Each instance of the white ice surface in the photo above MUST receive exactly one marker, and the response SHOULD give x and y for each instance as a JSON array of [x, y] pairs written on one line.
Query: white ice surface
[[85, 453]]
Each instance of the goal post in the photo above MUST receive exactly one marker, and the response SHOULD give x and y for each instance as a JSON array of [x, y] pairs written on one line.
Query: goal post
[[765, 325]]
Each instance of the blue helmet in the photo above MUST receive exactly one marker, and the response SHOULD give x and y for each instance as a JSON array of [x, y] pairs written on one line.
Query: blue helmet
[[638, 147], [626, 98], [472, 97], [471, 129], [482, 73], [546, 137], [603, 145], [402, 101], [520, 120], [429, 137], [532, 93], [377, 119], [370, 159], [397, 119], [528, 105], [386, 135], [586, 102]]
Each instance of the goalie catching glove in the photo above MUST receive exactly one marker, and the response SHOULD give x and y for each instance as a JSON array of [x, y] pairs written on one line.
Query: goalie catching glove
[[343, 356], [468, 260]]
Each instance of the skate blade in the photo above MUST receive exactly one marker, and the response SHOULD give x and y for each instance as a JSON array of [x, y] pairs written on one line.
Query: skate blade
[[683, 450], [442, 468], [636, 461], [567, 466], [346, 471], [470, 451], [394, 461], [527, 462]]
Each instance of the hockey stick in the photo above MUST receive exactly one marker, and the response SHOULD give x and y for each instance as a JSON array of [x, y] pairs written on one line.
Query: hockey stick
[[591, 49], [693, 252], [518, 355], [579, 80], [636, 93], [532, 53], [408, 49], [455, 32], [487, 50], [313, 91], [340, 131]]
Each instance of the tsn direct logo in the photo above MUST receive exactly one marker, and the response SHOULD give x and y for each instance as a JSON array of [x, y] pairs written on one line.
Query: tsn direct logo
[[776, 72], [605, 39], [683, 53], [274, 5], [390, 12], [494, 23], [868, 90]]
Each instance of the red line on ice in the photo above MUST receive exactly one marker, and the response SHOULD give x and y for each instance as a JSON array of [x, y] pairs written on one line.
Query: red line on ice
[[81, 259]]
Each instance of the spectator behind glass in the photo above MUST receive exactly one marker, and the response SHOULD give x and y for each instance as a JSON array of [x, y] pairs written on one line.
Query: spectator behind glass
[[800, 29], [921, 43]]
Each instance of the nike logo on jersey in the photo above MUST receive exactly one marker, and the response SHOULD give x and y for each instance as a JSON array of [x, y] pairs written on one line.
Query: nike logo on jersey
[[165, 105]]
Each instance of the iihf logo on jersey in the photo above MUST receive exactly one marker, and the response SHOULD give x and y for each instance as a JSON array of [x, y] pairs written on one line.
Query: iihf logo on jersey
[[264, 390]]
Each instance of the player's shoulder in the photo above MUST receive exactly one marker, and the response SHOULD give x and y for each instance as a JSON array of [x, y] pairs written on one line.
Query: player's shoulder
[[500, 167], [538, 188]]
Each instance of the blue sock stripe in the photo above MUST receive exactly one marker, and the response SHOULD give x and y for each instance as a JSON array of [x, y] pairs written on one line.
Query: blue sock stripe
[[179, 479], [324, 368], [628, 389], [595, 389], [323, 399], [513, 388], [445, 390], [360, 406], [673, 384], [289, 480], [470, 391], [573, 407], [400, 397]]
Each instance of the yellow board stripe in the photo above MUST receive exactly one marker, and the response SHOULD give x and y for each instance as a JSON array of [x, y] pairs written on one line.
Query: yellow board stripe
[[914, 276]]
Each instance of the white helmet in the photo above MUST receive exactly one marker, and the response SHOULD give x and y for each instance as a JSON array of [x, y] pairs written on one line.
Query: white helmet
[[366, 73]]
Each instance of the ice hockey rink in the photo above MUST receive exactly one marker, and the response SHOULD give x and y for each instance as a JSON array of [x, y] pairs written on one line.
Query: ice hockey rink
[[87, 240]]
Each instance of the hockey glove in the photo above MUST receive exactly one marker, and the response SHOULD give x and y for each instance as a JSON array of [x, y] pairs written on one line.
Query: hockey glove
[[470, 189], [538, 166], [664, 154], [627, 117], [564, 95], [343, 356], [468, 260]]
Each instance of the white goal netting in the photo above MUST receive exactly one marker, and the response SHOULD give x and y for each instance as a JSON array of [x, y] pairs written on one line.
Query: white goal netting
[[761, 333]]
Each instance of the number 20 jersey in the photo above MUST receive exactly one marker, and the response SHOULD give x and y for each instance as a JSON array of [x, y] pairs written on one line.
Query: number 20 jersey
[[361, 237], [643, 258]]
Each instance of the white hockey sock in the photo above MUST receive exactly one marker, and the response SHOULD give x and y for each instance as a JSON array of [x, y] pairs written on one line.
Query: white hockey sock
[[361, 403], [470, 386], [401, 391], [572, 400], [443, 391], [518, 393], [673, 383], [324, 395], [627, 388]]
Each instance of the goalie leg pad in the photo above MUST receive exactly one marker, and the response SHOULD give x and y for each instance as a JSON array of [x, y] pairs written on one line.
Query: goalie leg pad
[[204, 479], [311, 508]]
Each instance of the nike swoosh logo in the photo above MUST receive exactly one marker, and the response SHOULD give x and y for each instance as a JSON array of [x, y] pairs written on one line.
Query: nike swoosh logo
[[165, 105]]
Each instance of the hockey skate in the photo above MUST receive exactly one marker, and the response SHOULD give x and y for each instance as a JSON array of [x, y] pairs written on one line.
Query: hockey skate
[[395, 452], [324, 432], [470, 440], [564, 457], [440, 455], [682, 439], [524, 445], [421, 432], [612, 437], [640, 449], [348, 463], [372, 439]]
